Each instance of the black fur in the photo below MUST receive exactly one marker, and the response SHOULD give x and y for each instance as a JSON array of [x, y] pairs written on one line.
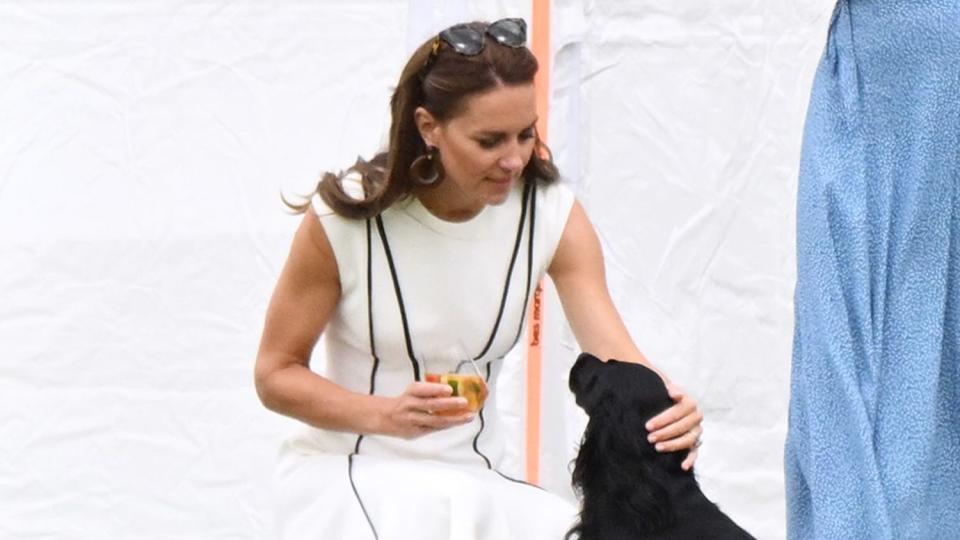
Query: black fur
[[628, 489]]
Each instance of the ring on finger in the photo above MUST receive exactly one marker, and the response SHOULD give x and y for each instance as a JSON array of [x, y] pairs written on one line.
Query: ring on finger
[[698, 442]]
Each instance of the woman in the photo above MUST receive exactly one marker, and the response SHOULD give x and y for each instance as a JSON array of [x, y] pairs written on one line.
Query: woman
[[423, 260]]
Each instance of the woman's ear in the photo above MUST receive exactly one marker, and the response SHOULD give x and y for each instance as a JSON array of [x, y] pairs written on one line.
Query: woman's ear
[[427, 125]]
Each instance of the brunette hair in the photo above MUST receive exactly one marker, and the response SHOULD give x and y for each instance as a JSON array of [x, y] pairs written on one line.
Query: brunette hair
[[441, 88]]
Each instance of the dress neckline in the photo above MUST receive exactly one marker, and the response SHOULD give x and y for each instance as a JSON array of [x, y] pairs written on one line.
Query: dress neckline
[[480, 226]]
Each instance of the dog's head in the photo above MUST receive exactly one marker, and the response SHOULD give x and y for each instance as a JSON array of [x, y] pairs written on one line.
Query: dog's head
[[632, 385], [620, 476]]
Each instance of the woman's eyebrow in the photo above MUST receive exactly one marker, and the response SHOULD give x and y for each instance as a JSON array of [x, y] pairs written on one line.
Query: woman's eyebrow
[[501, 133]]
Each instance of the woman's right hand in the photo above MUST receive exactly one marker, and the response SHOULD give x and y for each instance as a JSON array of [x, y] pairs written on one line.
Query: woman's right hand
[[424, 408]]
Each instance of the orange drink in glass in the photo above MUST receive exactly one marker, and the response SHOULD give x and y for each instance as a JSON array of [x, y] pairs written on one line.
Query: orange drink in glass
[[471, 387]]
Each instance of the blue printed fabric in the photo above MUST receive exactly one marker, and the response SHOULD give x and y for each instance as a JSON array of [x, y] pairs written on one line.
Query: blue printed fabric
[[873, 446]]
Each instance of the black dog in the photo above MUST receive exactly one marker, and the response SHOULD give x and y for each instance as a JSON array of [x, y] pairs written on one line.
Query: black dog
[[628, 489]]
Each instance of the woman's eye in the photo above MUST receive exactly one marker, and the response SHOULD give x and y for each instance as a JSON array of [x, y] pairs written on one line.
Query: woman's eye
[[490, 143]]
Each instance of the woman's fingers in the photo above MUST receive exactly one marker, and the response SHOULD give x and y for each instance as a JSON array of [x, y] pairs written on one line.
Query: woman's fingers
[[691, 459], [687, 440], [426, 407], [429, 390], [692, 417], [679, 427], [427, 422], [680, 410], [426, 415], [684, 404], [442, 405]]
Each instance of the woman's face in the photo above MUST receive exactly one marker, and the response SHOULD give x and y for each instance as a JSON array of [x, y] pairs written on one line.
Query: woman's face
[[483, 150]]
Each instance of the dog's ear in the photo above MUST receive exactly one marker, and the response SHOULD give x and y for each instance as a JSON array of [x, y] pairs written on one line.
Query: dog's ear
[[640, 388]]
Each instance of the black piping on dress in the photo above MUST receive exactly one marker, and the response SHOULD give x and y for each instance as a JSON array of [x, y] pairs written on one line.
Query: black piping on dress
[[373, 381], [529, 196]]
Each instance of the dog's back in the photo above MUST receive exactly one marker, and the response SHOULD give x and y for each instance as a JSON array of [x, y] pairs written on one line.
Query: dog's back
[[628, 489]]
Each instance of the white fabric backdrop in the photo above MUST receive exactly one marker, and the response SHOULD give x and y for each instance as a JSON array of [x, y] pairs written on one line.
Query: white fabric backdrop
[[143, 147], [680, 127]]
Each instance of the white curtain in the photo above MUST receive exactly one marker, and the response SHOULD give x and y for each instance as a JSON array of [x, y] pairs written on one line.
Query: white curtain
[[143, 149]]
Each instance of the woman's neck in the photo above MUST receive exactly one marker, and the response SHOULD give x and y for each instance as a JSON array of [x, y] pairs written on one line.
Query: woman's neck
[[448, 203]]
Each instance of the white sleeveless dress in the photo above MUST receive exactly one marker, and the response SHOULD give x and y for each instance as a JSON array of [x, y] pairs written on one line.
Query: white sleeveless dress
[[450, 280]]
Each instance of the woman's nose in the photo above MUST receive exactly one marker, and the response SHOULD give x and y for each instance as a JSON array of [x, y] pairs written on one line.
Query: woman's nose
[[511, 162]]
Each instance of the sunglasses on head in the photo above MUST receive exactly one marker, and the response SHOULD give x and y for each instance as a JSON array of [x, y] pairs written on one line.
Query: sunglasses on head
[[469, 40]]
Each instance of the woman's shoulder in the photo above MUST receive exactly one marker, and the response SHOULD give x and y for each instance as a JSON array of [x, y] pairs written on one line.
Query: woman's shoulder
[[555, 197]]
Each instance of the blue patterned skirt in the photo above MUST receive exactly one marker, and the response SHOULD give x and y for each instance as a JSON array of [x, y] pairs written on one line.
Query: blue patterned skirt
[[873, 447]]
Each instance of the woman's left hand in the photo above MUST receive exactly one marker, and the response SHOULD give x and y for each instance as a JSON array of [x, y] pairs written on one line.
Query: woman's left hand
[[678, 427]]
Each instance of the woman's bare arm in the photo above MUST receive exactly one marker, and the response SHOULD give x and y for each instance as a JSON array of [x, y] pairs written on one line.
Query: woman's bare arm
[[303, 301], [577, 271]]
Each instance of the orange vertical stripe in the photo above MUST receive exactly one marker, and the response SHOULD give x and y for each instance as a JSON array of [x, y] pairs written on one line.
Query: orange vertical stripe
[[533, 388], [541, 49]]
